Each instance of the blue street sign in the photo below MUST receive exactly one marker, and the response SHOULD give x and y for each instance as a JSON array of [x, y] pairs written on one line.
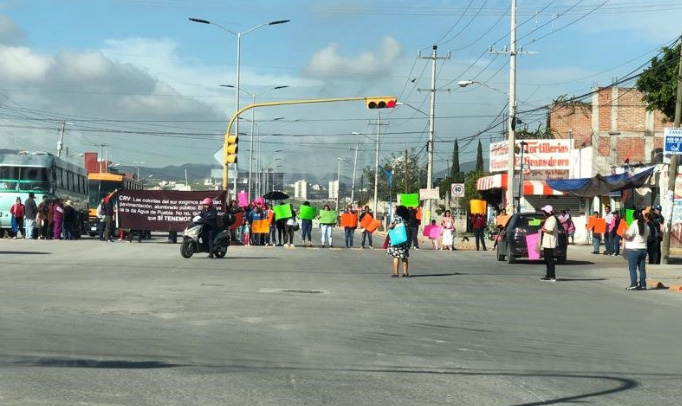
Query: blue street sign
[[672, 141]]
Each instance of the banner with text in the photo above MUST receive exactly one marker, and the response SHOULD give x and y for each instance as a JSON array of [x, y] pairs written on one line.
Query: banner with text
[[163, 210], [551, 155]]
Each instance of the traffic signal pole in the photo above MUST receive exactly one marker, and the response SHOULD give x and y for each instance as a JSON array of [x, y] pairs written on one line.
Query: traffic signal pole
[[369, 100]]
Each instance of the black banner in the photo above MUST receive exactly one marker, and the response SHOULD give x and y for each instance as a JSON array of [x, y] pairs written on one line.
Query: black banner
[[163, 210]]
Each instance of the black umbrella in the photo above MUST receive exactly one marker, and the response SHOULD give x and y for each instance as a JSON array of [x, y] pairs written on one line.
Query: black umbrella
[[276, 195]]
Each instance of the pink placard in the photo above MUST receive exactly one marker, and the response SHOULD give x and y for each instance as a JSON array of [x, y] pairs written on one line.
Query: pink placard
[[433, 231], [243, 199], [259, 201], [533, 243]]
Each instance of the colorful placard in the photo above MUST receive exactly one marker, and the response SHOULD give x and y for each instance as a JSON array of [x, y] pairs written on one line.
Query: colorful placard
[[283, 211], [328, 216], [590, 222], [535, 222], [477, 206], [502, 220], [372, 226], [260, 227], [622, 228], [349, 220], [433, 231], [243, 199], [533, 244], [600, 226], [238, 220], [629, 216], [366, 220], [307, 212], [409, 199]]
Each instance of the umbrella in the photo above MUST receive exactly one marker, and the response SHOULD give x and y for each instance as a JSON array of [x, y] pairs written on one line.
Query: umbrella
[[600, 185], [276, 195]]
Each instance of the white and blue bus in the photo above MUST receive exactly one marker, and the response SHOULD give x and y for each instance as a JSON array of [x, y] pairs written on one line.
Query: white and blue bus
[[45, 175]]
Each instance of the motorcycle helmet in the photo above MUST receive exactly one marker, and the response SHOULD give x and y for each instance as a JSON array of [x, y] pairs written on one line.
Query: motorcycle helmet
[[207, 201], [657, 207]]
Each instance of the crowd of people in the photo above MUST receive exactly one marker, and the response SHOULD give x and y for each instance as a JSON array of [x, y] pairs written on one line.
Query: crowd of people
[[49, 220]]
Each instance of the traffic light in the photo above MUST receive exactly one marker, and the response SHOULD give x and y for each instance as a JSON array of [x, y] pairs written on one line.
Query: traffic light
[[231, 149], [384, 102]]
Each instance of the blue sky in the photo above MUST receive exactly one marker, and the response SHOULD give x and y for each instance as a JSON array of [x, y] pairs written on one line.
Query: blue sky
[[137, 76]]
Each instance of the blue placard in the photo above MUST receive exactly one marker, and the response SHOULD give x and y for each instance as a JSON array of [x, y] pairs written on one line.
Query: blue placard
[[672, 141]]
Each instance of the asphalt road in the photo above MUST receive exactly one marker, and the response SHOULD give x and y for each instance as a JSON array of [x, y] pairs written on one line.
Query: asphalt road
[[93, 323]]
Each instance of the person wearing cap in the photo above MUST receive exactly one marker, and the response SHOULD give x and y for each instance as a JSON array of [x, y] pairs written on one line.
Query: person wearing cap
[[69, 217], [209, 214], [548, 242]]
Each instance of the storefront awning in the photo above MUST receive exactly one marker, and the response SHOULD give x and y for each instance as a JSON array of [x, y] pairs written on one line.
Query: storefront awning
[[530, 187]]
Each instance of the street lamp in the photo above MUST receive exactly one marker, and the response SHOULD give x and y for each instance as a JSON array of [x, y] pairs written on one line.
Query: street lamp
[[138, 163], [239, 41], [253, 95], [511, 129], [259, 167]]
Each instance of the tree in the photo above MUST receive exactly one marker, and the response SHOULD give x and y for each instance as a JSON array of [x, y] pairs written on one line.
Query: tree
[[395, 164], [658, 82], [455, 174], [479, 157]]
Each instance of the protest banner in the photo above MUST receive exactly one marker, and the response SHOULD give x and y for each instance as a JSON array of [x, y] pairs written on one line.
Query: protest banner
[[366, 220], [349, 220], [622, 227], [260, 227], [409, 199], [243, 199], [162, 210], [600, 226], [328, 217], [629, 216], [373, 225]]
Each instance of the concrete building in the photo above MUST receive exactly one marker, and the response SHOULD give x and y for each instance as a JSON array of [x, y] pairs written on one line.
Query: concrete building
[[301, 190], [333, 189]]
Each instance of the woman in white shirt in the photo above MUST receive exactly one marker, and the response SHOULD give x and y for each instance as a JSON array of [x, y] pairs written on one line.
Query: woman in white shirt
[[635, 243]]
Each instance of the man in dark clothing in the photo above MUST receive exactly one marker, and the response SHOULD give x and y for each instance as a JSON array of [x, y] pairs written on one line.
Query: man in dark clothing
[[413, 229], [479, 230], [108, 217], [209, 214], [69, 218], [31, 213], [43, 215]]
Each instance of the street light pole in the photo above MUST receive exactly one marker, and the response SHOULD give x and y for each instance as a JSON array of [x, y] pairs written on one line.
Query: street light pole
[[512, 113], [376, 165], [239, 40], [338, 183]]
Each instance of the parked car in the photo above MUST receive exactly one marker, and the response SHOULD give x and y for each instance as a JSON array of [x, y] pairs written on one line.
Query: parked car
[[511, 243]]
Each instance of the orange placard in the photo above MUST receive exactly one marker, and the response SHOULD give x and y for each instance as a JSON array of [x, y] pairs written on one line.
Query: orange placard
[[238, 220], [373, 226], [419, 213], [600, 226], [271, 216], [260, 226], [622, 228], [590, 222], [502, 220], [366, 220], [349, 220]]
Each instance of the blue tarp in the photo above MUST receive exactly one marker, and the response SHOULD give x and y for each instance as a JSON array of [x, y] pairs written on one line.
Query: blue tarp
[[601, 185]]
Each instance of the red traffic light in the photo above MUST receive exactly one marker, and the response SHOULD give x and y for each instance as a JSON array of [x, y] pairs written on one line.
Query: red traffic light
[[386, 102]]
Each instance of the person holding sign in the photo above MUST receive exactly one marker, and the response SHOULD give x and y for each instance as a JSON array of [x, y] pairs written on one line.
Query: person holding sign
[[596, 237], [327, 222], [549, 238], [366, 218], [349, 221], [400, 252], [635, 244], [306, 214]]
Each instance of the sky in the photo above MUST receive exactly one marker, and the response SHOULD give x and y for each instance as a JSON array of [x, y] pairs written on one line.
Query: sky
[[139, 81]]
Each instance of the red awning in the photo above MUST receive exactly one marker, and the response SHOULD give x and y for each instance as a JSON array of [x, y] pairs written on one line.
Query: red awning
[[530, 187]]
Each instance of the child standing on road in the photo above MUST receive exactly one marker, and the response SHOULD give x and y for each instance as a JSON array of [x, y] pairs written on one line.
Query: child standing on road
[[434, 238]]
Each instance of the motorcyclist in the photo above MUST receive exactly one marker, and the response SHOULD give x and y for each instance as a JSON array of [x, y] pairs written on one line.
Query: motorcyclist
[[209, 214]]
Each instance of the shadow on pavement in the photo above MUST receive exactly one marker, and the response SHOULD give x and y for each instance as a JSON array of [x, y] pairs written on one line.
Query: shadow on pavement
[[25, 252], [574, 262], [580, 279], [90, 363]]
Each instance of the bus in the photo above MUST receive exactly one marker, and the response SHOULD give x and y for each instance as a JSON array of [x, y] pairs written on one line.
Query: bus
[[45, 175], [102, 184]]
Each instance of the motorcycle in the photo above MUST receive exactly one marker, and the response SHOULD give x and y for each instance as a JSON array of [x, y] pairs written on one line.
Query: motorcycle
[[192, 241]]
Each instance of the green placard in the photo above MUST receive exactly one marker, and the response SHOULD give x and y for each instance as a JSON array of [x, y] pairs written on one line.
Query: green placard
[[534, 222], [307, 212], [409, 200], [283, 211], [328, 217], [629, 216]]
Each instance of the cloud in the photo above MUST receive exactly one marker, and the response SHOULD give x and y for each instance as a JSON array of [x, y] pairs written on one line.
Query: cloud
[[20, 65], [10, 33], [328, 63]]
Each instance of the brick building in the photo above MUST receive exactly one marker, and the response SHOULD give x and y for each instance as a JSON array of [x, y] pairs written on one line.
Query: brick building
[[616, 123]]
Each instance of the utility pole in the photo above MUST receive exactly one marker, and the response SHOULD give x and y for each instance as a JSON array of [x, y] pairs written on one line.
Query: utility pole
[[355, 166], [672, 170], [101, 155], [432, 116], [60, 143], [405, 173], [376, 162]]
